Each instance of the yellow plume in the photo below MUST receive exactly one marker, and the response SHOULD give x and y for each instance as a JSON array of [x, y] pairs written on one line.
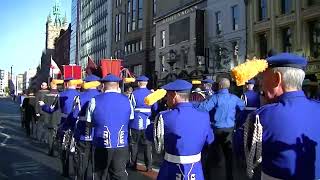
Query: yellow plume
[[196, 82], [75, 82], [56, 81], [154, 97], [129, 80], [248, 70], [89, 85]]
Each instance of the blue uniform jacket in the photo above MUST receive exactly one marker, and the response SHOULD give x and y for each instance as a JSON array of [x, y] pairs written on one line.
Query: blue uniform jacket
[[65, 104], [142, 112], [252, 102], [186, 131], [291, 137], [225, 106], [110, 114], [252, 98], [80, 113]]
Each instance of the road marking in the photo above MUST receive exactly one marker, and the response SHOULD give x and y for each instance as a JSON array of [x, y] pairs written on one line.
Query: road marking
[[3, 143], [2, 175], [23, 168], [16, 116]]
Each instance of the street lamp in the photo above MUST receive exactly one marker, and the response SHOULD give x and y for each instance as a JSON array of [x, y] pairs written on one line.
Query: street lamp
[[11, 72]]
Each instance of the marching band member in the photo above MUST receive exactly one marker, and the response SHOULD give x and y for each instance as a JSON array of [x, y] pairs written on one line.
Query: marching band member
[[225, 106], [139, 124], [285, 134], [181, 132], [67, 121], [83, 129], [110, 113]]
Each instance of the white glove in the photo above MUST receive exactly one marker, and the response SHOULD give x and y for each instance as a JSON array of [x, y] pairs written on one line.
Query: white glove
[[41, 103], [38, 115]]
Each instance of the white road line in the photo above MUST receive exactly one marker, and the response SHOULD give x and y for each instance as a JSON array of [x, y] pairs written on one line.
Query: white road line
[[3, 143]]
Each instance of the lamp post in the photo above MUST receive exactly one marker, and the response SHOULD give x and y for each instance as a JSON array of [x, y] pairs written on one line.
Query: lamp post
[[11, 72]]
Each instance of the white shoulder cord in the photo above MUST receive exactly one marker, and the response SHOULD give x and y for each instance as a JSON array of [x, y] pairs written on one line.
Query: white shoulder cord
[[158, 134], [256, 146], [244, 97]]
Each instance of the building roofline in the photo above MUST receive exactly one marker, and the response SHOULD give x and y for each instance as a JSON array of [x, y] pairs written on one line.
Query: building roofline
[[177, 10]]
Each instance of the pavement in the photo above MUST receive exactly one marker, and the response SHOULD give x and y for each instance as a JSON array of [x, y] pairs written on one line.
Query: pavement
[[24, 158]]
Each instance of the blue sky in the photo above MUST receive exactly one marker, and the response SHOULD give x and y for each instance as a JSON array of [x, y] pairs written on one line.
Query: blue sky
[[22, 31]]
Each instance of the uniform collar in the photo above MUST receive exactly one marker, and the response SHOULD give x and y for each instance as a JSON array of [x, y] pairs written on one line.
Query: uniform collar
[[184, 104], [292, 94], [108, 91], [223, 91]]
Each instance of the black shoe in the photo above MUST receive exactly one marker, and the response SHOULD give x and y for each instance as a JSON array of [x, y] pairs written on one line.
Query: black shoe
[[133, 167], [149, 169]]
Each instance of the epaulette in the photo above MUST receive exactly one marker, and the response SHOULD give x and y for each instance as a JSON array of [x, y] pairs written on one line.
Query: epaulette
[[165, 111], [264, 107]]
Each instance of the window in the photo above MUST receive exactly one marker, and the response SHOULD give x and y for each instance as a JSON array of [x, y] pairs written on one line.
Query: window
[[153, 41], [162, 63], [137, 70], [286, 6], [154, 8], [314, 39], [262, 10], [140, 14], [218, 23], [129, 16], [162, 39], [134, 15], [179, 31], [235, 49], [287, 40], [235, 17], [140, 45], [133, 47], [263, 45]]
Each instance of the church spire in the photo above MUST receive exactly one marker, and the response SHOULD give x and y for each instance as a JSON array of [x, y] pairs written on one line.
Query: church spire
[[57, 13]]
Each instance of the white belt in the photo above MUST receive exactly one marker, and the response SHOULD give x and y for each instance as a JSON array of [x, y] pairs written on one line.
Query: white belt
[[64, 115], [82, 118], [250, 108], [145, 110], [182, 159]]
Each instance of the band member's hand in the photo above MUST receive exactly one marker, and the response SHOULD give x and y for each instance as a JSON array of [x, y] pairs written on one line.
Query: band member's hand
[[38, 115], [41, 103]]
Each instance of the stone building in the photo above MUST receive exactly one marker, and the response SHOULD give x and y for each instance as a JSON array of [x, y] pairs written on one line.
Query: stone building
[[180, 48], [287, 26], [226, 35], [62, 48], [134, 34]]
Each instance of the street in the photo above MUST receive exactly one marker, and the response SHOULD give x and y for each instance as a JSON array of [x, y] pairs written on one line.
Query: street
[[24, 158]]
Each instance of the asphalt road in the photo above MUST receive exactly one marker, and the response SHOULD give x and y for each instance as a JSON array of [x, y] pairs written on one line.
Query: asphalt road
[[23, 158]]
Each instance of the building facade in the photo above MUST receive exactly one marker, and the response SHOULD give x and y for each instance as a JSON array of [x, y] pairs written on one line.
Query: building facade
[[75, 32], [179, 40], [19, 84], [95, 30], [287, 26], [27, 76], [226, 35], [4, 78], [133, 35], [62, 48]]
